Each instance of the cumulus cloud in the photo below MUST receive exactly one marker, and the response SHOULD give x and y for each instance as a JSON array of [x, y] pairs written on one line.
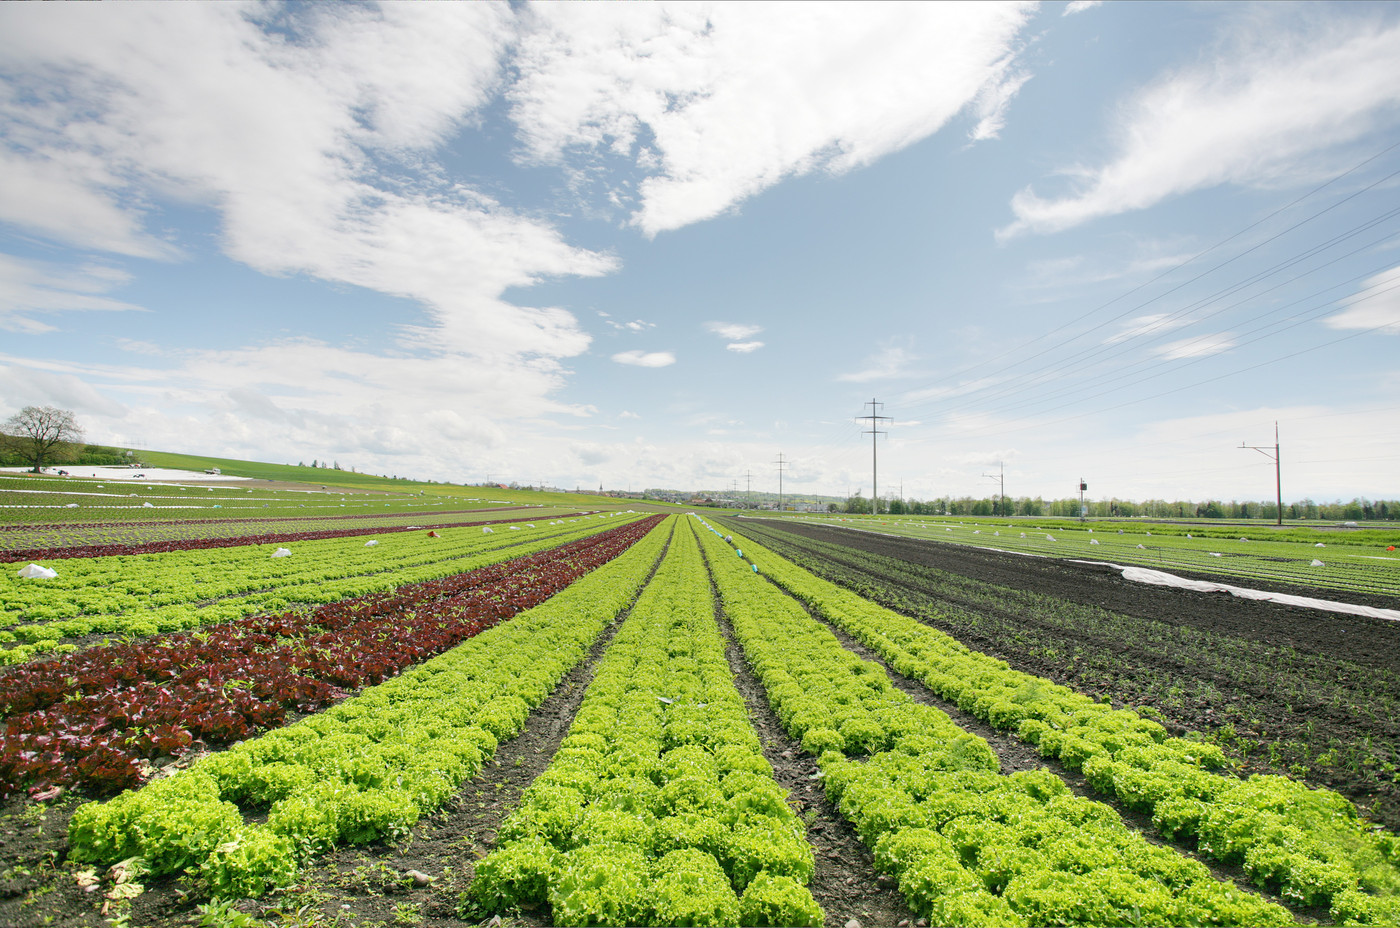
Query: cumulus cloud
[[714, 103], [1375, 306], [733, 330], [301, 144], [1273, 96], [645, 358], [312, 134], [739, 335]]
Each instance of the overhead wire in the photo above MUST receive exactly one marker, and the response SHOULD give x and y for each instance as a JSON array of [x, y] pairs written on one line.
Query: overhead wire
[[1169, 271]]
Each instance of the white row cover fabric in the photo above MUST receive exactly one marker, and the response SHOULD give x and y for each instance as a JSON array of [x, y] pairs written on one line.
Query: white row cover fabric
[[35, 572], [1160, 578]]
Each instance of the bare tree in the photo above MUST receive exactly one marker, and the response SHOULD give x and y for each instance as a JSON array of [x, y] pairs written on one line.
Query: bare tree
[[36, 432]]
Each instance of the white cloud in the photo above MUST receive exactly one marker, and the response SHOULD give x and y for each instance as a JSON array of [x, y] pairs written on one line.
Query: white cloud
[[1199, 347], [1079, 6], [22, 385], [1270, 99], [992, 102], [645, 358], [733, 330], [891, 362], [311, 133], [737, 332], [716, 102], [636, 325], [298, 144], [1376, 305], [31, 288]]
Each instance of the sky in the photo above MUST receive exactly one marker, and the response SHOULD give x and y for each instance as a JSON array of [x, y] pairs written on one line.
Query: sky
[[690, 246]]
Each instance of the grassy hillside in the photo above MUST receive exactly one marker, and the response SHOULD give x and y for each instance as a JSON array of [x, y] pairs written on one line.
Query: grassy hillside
[[321, 476]]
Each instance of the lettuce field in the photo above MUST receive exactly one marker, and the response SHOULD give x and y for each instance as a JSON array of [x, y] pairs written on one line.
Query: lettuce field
[[457, 715]]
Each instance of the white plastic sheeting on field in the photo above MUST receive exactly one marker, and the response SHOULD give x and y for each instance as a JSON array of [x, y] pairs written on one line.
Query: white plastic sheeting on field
[[36, 572], [1160, 578]]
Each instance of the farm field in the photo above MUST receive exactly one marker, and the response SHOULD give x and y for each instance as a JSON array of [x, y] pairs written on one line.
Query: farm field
[[1363, 561], [688, 728], [1311, 694], [45, 506]]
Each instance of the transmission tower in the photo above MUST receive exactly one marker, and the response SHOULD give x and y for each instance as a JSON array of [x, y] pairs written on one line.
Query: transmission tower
[[781, 464], [873, 432]]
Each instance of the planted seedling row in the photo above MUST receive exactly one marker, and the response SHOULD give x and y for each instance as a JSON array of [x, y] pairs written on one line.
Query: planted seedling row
[[146, 595], [368, 767], [1280, 689], [91, 719], [968, 845], [659, 807], [1310, 844]]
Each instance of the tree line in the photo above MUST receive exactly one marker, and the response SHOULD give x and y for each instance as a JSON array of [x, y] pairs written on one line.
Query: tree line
[[1355, 510]]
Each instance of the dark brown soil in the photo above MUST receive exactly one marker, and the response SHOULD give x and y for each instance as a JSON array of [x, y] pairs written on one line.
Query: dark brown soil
[[845, 884]]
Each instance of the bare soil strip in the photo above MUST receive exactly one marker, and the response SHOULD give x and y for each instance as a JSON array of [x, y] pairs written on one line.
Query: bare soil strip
[[846, 884]]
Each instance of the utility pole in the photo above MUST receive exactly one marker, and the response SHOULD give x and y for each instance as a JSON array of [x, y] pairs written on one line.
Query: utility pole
[[874, 432], [781, 464], [748, 487], [1001, 475], [1082, 487], [1278, 473]]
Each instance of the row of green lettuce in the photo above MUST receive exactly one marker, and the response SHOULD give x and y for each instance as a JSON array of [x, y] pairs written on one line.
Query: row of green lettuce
[[967, 844], [1308, 844], [659, 807], [143, 595], [369, 767]]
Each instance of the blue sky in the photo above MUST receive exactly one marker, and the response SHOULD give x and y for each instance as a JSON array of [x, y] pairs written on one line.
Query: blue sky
[[652, 245]]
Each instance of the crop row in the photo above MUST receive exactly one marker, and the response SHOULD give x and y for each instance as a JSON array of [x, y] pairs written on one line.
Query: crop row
[[1310, 844], [369, 766], [49, 535], [659, 807], [169, 592], [1254, 680], [89, 719], [194, 544], [967, 845]]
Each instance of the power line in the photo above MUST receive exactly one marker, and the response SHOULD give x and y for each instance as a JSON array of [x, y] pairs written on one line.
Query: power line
[[1179, 266], [874, 432]]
